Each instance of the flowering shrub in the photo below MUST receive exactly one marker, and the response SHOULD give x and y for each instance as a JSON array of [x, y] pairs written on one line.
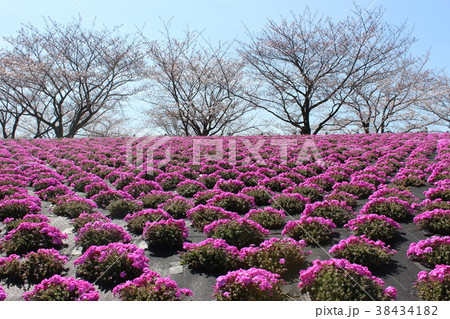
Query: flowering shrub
[[7, 191], [41, 184], [268, 217], [189, 188], [229, 186], [323, 181], [311, 191], [202, 215], [139, 188], [154, 198], [431, 251], [391, 207], [137, 221], [111, 264], [442, 192], [52, 193], [150, 287], [363, 251], [252, 285], [58, 288], [239, 232], [212, 256], [361, 189], [85, 218], [177, 207], [209, 181], [428, 205], [95, 188], [17, 208], [201, 198], [394, 192], [30, 218], [436, 221], [104, 198], [260, 194], [101, 233], [238, 203], [169, 181], [276, 184], [165, 234], [30, 237], [340, 280], [375, 227], [122, 207], [276, 255], [34, 267], [72, 208], [2, 294], [289, 203], [409, 177], [349, 199], [250, 178], [313, 230], [335, 210], [434, 285]]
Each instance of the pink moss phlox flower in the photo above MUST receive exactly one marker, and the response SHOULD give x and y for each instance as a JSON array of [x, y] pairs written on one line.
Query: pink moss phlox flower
[[243, 221], [85, 291]]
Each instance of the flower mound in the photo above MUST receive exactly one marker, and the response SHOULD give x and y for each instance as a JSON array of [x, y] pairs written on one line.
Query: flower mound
[[30, 237], [237, 232], [392, 207], [363, 251], [268, 217], [58, 288], [33, 267], [238, 203], [313, 230], [165, 234], [436, 221], [375, 227], [290, 203], [111, 264], [137, 221], [340, 280], [101, 233], [17, 208], [276, 255], [432, 251], [339, 212], [212, 256], [253, 284], [202, 215], [150, 287], [434, 285]]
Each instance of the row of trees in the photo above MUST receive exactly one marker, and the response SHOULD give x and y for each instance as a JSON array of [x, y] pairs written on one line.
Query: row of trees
[[309, 73]]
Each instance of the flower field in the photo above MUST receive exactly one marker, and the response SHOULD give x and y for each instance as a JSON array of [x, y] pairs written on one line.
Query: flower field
[[332, 217]]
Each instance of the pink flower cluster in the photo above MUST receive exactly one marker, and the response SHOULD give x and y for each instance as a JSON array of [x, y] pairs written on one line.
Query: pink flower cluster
[[179, 223], [361, 240], [308, 276], [54, 233], [353, 224], [260, 278], [2, 294], [157, 287], [440, 273], [218, 244], [420, 250], [243, 221], [100, 226], [101, 253], [292, 224], [83, 290]]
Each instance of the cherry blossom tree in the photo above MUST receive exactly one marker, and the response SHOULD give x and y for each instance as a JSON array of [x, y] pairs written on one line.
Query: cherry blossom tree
[[64, 77]]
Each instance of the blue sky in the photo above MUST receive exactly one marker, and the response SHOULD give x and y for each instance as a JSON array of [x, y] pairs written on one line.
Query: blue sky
[[224, 20]]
